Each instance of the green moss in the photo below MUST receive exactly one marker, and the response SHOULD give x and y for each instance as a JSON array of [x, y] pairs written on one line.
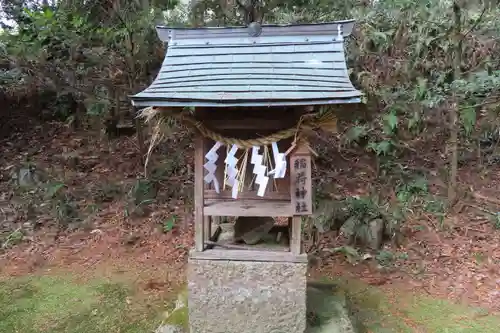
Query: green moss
[[183, 296], [441, 316], [179, 318], [179, 315], [56, 304], [401, 312]]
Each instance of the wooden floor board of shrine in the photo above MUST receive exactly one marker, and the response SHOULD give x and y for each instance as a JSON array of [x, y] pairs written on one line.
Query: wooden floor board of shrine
[[247, 207]]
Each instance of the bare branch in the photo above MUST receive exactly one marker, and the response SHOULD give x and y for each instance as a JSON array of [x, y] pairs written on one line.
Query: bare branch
[[476, 23]]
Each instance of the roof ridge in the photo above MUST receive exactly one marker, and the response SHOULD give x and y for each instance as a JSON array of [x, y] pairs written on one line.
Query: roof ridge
[[166, 33]]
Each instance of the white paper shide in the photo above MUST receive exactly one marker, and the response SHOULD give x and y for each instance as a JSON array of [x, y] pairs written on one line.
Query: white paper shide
[[259, 169], [232, 171], [280, 161], [232, 176], [211, 166]]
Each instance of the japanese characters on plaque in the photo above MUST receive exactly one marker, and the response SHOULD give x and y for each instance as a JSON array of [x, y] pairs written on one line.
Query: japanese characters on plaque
[[301, 184]]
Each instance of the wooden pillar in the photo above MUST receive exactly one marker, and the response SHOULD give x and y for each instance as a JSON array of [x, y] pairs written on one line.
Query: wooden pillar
[[295, 227], [207, 228], [199, 228]]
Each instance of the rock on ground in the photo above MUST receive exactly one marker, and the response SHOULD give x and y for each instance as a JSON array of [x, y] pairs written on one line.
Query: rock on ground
[[375, 238], [329, 312], [169, 329], [177, 320], [252, 229]]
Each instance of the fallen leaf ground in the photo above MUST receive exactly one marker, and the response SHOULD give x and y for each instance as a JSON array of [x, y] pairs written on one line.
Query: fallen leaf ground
[[113, 258]]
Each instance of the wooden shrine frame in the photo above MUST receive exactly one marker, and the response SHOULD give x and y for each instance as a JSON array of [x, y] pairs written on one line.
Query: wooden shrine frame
[[209, 204]]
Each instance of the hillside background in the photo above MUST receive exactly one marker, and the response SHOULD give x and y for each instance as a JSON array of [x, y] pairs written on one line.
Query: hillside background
[[422, 154]]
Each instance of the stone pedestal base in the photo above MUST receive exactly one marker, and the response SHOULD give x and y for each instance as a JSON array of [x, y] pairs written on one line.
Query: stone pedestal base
[[231, 296]]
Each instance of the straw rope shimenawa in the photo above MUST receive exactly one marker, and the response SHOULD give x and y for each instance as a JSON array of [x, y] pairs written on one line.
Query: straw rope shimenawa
[[321, 120], [327, 121]]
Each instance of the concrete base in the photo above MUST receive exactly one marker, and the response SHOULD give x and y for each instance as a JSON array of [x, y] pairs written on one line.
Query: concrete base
[[227, 296]]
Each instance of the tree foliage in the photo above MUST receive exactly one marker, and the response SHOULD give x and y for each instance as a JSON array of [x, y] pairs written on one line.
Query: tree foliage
[[401, 55]]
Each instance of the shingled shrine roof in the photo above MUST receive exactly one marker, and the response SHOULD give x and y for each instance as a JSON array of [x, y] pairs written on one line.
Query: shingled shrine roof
[[252, 66]]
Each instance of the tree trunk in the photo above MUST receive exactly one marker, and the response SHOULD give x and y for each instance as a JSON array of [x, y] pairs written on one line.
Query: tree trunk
[[140, 142], [250, 11], [145, 6], [454, 126]]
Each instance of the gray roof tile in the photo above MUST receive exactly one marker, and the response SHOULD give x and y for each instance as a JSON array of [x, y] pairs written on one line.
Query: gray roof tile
[[285, 65]]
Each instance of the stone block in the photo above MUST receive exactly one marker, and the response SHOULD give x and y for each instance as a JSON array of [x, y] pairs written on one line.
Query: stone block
[[329, 312], [246, 296]]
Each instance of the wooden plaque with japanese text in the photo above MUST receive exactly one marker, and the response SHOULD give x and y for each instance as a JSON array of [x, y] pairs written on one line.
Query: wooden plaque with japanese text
[[300, 184]]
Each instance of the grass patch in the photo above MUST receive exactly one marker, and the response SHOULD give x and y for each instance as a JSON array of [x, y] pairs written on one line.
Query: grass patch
[[383, 312], [55, 304], [58, 304]]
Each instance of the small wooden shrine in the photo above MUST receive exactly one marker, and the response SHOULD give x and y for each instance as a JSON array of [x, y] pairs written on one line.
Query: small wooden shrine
[[253, 94]]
